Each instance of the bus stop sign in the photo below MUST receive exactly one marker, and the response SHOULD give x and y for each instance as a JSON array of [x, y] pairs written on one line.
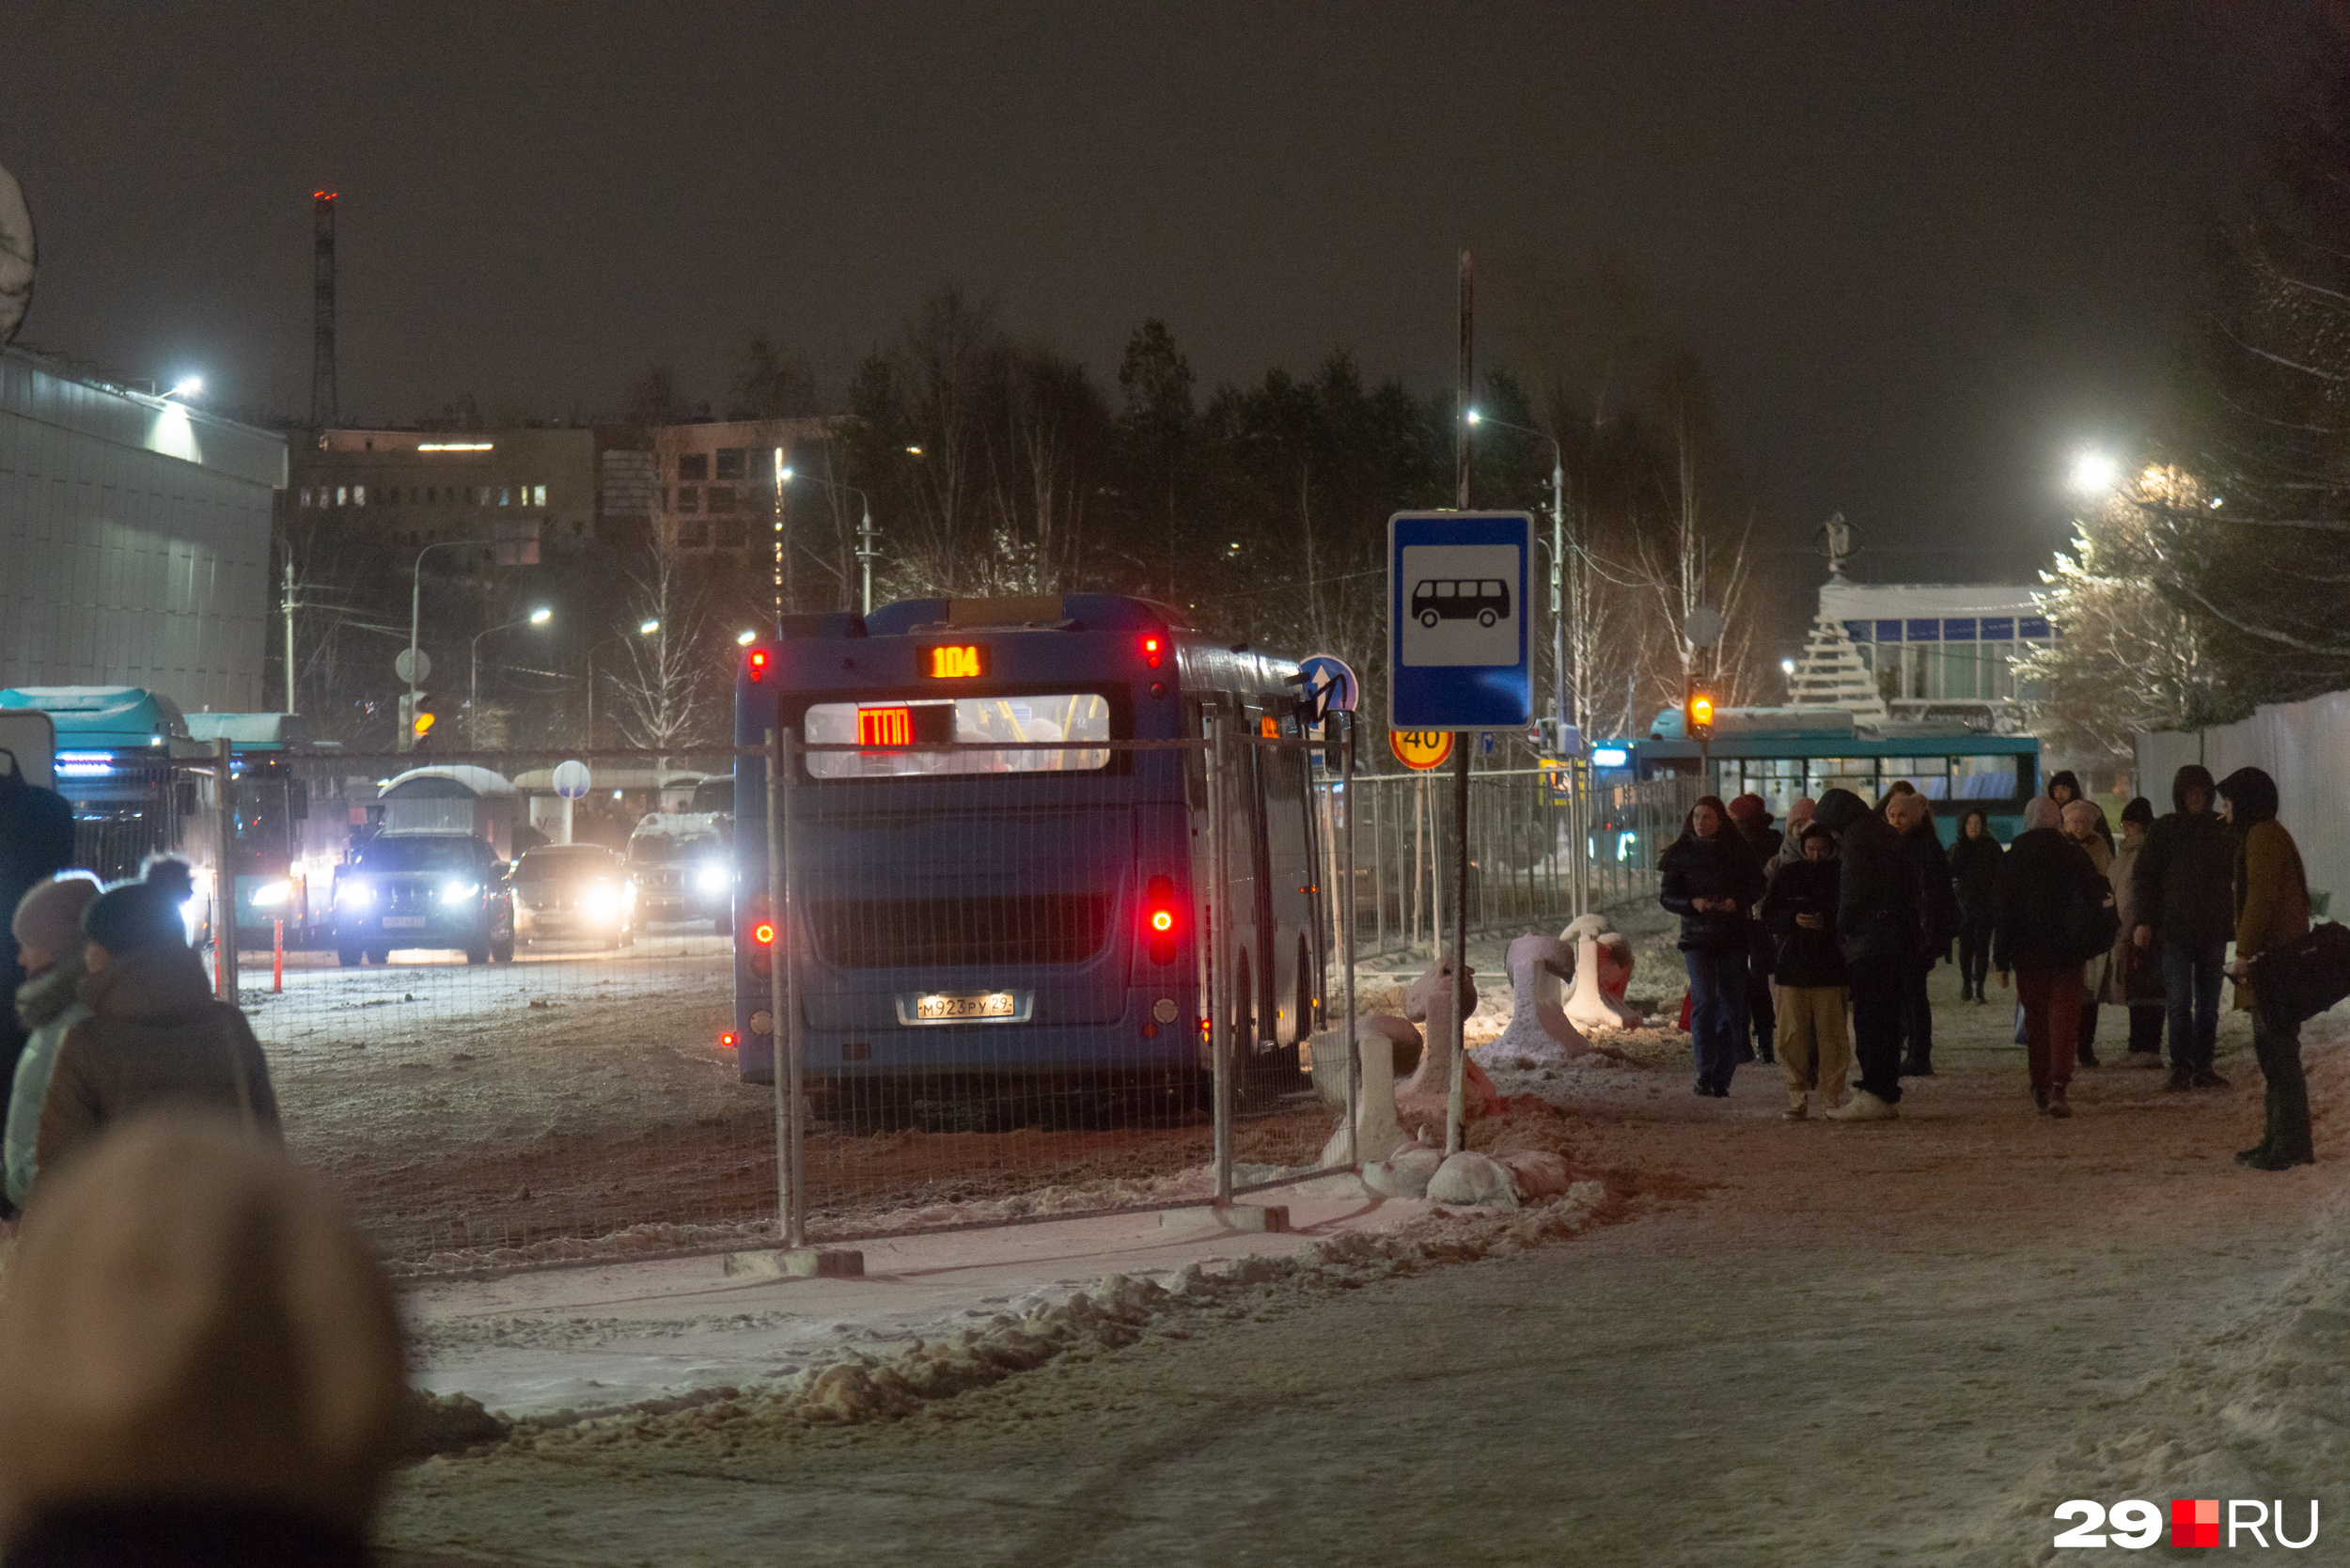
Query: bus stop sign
[[1457, 619]]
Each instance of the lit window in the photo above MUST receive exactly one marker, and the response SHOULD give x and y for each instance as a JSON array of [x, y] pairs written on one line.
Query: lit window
[[689, 498], [305, 496], [342, 495], [358, 495], [504, 495], [537, 496]]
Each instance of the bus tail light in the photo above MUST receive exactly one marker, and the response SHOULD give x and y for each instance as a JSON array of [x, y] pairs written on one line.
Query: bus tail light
[[1161, 919], [759, 928], [726, 1041], [758, 664], [1153, 650]]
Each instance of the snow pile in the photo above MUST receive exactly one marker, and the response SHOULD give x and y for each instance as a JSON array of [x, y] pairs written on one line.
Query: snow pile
[[861, 1387]]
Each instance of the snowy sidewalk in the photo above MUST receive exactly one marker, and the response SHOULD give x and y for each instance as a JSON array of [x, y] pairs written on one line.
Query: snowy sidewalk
[[595, 1339]]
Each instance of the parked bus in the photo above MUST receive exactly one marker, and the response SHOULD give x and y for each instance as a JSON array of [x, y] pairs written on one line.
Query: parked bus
[[1781, 753], [976, 915]]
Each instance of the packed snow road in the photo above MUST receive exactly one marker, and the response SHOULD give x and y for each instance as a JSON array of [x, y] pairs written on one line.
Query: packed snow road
[[1810, 1344]]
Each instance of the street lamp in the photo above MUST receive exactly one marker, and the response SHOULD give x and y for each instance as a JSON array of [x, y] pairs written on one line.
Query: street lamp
[[1558, 572], [539, 617], [415, 601], [865, 550], [186, 387], [743, 639], [2094, 473]]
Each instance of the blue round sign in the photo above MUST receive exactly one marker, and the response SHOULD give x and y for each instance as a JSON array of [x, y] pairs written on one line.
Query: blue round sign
[[1333, 687]]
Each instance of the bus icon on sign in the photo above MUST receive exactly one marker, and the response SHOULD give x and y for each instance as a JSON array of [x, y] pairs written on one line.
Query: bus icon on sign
[[1484, 600]]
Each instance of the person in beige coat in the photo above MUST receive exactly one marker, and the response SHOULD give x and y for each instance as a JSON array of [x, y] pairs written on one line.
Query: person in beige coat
[[2271, 910]]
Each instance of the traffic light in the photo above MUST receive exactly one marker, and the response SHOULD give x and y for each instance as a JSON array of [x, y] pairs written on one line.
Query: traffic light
[[415, 720], [1701, 714]]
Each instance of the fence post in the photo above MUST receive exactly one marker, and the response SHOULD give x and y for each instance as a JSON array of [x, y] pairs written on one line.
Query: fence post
[[1354, 1051], [777, 993], [1219, 963], [224, 874], [1454, 1128], [788, 967]]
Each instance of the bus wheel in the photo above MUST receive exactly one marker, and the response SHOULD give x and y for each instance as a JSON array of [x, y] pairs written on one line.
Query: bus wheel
[[350, 958]]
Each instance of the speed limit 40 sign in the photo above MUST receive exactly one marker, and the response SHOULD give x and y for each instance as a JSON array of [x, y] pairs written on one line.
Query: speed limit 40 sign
[[1421, 748]]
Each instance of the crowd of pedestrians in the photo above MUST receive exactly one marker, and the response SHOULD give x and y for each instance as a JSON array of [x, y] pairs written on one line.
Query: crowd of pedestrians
[[1820, 940]]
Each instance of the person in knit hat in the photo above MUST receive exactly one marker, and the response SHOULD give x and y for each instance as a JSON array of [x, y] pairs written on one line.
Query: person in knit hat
[[155, 1035], [48, 932], [199, 1362]]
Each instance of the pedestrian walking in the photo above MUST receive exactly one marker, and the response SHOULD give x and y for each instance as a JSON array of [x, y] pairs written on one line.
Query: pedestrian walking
[[2054, 910], [155, 1036], [2064, 787], [2080, 821], [1912, 817], [2186, 914], [48, 931], [201, 1363], [1750, 814], [2133, 976], [2271, 891], [1813, 979], [1879, 930], [1975, 883], [1709, 878]]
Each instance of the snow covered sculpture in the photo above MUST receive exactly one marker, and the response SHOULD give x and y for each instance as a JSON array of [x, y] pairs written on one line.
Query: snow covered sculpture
[[1376, 1134], [1592, 1006], [1374, 1034], [1421, 1102], [1404, 1174], [1468, 1180], [1538, 1028]]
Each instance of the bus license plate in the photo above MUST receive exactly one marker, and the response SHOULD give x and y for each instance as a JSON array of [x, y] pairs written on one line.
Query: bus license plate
[[404, 922], [938, 1008]]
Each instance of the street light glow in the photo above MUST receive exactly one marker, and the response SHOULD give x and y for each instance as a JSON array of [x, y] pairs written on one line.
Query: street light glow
[[1473, 416], [186, 387], [648, 628], [1787, 667], [2093, 472], [541, 615], [914, 451], [744, 639], [784, 474]]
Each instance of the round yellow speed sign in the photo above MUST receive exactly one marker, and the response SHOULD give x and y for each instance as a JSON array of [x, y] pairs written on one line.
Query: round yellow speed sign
[[1421, 748]]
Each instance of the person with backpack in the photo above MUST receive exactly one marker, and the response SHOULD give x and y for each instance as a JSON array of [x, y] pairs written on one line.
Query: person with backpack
[[1975, 880], [2186, 914], [2271, 910], [2054, 910], [1708, 877], [1813, 979]]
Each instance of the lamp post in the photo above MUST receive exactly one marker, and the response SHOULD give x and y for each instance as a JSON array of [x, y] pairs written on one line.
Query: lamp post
[[539, 617], [1560, 705], [415, 602], [865, 550], [644, 628]]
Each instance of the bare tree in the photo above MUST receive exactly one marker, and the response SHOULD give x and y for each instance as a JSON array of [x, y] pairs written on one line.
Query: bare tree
[[663, 693]]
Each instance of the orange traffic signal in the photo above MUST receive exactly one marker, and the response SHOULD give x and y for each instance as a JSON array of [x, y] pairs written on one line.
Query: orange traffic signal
[[1700, 713]]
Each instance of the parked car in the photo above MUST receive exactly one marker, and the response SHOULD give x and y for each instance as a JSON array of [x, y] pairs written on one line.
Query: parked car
[[423, 891], [575, 893], [683, 868]]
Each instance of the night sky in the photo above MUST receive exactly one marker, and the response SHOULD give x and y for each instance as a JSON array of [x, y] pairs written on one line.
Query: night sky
[[1926, 251]]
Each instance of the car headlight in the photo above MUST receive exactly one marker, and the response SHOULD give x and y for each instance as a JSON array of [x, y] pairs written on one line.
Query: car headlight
[[353, 895], [713, 877], [456, 893], [271, 894], [603, 900]]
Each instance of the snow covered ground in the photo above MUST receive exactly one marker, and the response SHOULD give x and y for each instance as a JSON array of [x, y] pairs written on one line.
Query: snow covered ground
[[1795, 1344]]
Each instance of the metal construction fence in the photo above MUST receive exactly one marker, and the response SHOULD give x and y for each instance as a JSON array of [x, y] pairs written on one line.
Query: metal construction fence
[[521, 1006]]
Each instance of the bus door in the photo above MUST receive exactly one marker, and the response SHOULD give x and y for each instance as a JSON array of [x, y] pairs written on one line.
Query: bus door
[[1242, 903], [1284, 804]]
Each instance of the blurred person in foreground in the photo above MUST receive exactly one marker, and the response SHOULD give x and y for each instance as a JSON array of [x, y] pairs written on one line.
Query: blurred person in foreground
[[2271, 910], [201, 1363], [2080, 821], [48, 931], [155, 1034], [35, 843]]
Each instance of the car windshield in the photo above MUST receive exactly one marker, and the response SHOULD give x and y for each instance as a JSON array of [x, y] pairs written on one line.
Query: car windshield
[[546, 864], [663, 849], [437, 851]]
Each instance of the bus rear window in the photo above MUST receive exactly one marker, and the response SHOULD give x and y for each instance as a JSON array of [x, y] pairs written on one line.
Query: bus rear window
[[885, 732]]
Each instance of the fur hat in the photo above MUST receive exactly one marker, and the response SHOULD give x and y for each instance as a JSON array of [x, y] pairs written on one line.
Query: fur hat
[[1750, 810], [49, 915], [188, 1319]]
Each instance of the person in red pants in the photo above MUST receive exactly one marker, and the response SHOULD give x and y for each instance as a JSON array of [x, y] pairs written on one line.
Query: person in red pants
[[2045, 933]]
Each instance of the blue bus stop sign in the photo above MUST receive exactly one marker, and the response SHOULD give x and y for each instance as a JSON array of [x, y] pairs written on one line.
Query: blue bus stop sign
[[1330, 684], [1458, 613]]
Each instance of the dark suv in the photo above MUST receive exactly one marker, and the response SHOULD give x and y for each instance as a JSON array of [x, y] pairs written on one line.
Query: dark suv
[[423, 891], [683, 869]]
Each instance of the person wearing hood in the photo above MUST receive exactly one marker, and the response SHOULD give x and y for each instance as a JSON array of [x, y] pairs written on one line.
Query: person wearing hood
[[1791, 841], [1750, 814], [2185, 912], [48, 931], [201, 1363], [2080, 821], [2043, 880], [2133, 977], [2271, 910], [1975, 883], [1879, 930], [1812, 977], [2064, 787], [1709, 878], [155, 1035], [1912, 817]]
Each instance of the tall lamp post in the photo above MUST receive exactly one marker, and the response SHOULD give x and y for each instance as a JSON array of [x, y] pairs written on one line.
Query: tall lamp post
[[416, 603], [865, 550], [1560, 682], [539, 617]]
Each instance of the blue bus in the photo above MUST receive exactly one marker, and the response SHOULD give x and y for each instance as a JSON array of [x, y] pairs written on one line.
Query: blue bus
[[1781, 753], [973, 919]]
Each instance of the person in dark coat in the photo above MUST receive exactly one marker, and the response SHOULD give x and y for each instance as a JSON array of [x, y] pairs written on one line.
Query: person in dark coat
[[1709, 878], [35, 843], [2271, 910], [2043, 880], [1750, 814], [2186, 914], [2064, 787], [1880, 931], [1975, 884], [1912, 817], [1809, 970]]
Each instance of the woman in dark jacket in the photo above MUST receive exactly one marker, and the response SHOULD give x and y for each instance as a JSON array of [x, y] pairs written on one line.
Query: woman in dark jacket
[[1708, 877], [2045, 879], [1975, 876]]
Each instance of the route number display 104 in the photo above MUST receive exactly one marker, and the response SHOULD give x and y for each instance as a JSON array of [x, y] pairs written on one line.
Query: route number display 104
[[955, 661]]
